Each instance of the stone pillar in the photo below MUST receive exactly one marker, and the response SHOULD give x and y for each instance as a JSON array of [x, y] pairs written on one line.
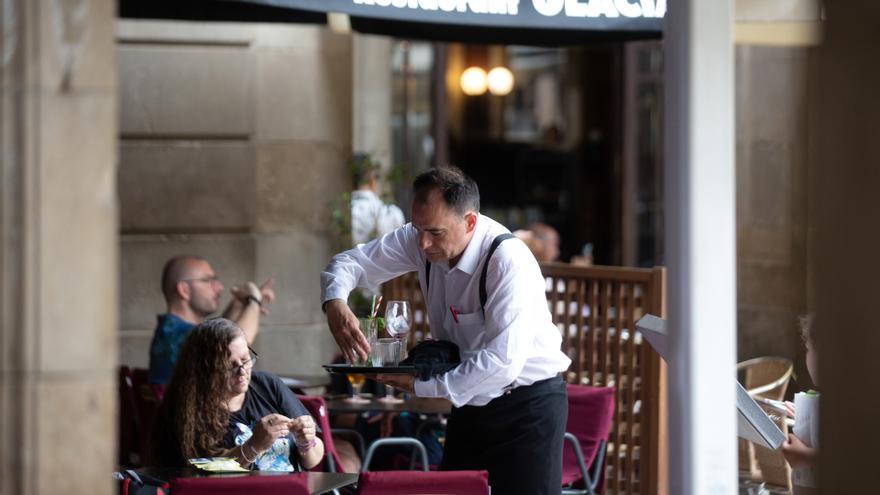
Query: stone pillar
[[700, 247], [771, 158], [58, 255]]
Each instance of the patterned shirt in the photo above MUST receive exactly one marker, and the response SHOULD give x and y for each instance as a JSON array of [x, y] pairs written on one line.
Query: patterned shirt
[[171, 333]]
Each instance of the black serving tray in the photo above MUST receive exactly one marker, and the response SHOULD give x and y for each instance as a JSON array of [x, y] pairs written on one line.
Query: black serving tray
[[370, 370]]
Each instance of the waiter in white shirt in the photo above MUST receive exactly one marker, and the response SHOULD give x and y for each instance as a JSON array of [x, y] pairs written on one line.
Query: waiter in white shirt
[[510, 402]]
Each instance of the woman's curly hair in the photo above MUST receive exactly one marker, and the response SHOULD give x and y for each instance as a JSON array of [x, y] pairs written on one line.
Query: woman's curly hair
[[193, 414]]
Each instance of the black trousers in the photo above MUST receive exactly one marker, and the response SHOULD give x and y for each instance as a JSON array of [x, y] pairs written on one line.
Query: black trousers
[[516, 437]]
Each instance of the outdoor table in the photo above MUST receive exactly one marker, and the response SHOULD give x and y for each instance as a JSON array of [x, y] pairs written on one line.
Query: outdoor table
[[318, 482], [417, 405]]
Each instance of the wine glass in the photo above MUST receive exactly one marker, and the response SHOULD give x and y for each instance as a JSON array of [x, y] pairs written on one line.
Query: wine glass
[[356, 381], [398, 321]]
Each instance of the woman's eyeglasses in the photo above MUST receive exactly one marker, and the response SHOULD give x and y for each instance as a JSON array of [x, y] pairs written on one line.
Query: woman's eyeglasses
[[247, 365]]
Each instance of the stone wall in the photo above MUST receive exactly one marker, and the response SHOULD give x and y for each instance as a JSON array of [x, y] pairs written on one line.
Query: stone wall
[[771, 164], [233, 140]]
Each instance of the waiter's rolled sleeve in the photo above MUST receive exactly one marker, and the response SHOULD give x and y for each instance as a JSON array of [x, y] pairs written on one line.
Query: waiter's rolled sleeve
[[369, 265]]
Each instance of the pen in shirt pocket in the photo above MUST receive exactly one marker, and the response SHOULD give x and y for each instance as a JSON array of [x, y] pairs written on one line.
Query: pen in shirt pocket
[[454, 313]]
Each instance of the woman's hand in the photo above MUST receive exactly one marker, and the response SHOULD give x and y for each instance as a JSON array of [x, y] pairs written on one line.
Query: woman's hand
[[268, 429], [310, 448], [798, 454], [303, 429]]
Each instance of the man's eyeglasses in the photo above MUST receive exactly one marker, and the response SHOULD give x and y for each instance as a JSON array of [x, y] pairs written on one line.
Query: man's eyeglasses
[[205, 280], [247, 365]]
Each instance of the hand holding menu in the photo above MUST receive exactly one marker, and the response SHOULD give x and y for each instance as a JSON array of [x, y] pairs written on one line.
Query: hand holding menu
[[753, 423]]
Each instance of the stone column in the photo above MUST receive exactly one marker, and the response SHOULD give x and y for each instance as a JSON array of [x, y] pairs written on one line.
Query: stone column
[[700, 247], [58, 255]]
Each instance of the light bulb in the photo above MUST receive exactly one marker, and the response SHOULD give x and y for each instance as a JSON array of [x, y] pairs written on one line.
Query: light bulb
[[473, 81], [500, 81]]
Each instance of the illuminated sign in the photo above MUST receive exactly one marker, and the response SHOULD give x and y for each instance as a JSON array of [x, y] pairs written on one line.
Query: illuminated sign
[[548, 8], [644, 16]]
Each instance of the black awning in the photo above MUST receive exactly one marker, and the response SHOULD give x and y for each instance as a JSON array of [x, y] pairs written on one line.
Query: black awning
[[217, 10], [483, 21]]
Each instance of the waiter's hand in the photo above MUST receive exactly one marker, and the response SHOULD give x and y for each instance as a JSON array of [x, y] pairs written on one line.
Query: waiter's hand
[[347, 331], [400, 382]]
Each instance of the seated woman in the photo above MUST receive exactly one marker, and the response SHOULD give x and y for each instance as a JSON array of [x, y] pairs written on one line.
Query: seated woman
[[217, 406]]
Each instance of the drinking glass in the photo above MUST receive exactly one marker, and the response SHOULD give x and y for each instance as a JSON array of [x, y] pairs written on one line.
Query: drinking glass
[[370, 329], [398, 322], [385, 352], [356, 381]]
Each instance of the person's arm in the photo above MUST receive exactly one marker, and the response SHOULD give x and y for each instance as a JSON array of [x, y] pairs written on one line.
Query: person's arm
[[248, 303], [366, 265], [303, 426], [309, 446], [268, 429], [515, 309]]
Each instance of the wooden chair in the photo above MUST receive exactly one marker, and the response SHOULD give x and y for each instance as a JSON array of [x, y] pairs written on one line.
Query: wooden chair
[[765, 377]]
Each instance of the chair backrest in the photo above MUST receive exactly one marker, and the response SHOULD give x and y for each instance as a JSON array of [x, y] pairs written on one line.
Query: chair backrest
[[432, 482], [590, 415], [766, 376], [129, 423], [147, 398], [318, 409], [285, 484]]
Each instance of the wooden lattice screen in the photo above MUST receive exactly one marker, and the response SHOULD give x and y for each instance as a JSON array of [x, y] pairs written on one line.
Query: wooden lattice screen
[[595, 309]]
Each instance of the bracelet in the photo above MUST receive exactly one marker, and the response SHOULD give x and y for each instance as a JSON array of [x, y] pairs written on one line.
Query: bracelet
[[256, 454], [305, 447], [254, 299]]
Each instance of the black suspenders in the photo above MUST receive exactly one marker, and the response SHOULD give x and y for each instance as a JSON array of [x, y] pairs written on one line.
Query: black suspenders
[[483, 296]]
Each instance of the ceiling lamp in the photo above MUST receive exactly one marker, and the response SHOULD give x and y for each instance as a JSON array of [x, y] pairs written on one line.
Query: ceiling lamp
[[473, 81], [500, 81]]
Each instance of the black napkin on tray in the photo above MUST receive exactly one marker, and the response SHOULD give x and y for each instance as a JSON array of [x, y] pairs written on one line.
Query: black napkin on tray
[[433, 357]]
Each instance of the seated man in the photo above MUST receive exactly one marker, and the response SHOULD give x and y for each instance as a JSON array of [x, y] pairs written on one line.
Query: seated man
[[542, 240], [192, 292]]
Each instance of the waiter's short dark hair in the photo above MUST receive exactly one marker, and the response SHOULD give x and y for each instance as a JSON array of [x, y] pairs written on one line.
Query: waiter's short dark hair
[[459, 191]]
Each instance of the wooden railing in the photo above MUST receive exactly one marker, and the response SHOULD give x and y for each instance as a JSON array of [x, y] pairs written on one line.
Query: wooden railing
[[595, 309]]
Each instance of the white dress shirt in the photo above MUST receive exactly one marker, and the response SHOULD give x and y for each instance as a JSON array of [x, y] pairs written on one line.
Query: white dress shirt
[[371, 217], [514, 344]]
